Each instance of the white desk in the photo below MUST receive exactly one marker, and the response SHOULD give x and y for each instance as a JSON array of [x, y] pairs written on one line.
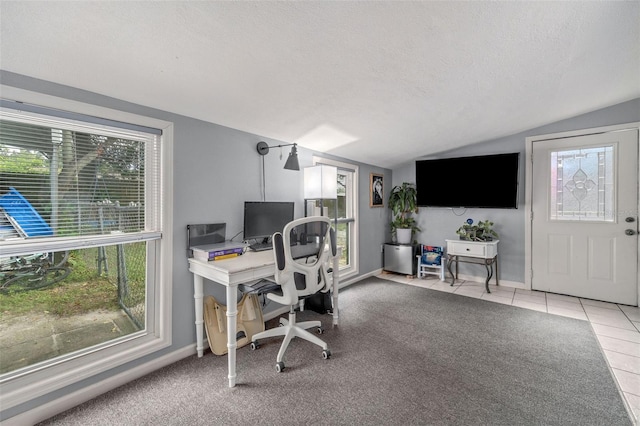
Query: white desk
[[249, 267]]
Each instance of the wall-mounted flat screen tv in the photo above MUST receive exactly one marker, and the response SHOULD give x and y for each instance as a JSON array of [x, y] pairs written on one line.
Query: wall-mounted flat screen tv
[[484, 181]]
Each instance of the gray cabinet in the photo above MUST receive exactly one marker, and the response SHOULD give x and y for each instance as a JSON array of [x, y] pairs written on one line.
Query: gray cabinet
[[400, 258]]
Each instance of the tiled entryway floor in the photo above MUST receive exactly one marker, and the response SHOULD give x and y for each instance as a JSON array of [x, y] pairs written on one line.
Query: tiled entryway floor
[[617, 327]]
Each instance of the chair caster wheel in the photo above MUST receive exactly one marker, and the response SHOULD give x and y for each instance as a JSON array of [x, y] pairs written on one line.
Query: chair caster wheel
[[320, 330], [280, 367], [254, 345], [326, 354]]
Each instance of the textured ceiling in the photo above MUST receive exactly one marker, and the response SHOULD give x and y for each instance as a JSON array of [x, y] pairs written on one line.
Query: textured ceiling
[[377, 82]]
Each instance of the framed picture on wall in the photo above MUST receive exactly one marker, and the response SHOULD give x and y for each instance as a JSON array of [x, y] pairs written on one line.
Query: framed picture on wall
[[376, 190]]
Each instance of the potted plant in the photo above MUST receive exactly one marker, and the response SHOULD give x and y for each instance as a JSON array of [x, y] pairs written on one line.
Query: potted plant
[[403, 203], [483, 231]]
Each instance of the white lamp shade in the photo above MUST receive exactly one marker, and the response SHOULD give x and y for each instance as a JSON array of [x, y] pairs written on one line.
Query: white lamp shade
[[321, 182]]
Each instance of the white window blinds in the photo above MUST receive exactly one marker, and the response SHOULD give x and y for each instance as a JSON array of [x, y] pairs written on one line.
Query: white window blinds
[[69, 179]]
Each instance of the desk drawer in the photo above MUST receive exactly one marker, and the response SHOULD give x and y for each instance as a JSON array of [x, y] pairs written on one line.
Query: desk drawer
[[467, 249]]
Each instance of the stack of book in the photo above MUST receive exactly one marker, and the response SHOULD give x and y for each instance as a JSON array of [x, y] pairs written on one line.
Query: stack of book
[[219, 251]]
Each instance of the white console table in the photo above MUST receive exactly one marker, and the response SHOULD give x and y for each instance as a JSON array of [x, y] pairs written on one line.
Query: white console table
[[478, 252]]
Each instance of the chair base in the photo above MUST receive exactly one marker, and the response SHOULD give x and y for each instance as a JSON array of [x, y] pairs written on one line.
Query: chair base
[[290, 329]]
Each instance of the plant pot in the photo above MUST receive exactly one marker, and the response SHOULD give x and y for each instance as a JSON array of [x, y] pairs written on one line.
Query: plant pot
[[403, 235]]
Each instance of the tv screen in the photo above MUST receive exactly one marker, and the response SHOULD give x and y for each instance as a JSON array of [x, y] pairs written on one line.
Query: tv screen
[[485, 181], [263, 218]]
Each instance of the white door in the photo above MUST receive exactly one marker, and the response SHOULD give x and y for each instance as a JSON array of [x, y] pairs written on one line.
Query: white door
[[585, 216]]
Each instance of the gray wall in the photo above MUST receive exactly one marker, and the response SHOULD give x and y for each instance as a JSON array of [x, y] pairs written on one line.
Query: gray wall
[[216, 170], [440, 224]]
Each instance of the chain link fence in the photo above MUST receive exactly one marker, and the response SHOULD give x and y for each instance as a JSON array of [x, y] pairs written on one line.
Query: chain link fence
[[124, 265], [105, 216]]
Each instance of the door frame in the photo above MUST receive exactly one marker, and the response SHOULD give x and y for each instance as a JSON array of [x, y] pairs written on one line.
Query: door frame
[[528, 190]]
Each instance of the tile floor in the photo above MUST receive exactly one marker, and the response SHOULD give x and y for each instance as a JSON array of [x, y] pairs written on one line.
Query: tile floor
[[617, 327]]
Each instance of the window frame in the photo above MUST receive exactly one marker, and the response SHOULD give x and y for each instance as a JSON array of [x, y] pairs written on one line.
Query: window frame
[[352, 203], [26, 385]]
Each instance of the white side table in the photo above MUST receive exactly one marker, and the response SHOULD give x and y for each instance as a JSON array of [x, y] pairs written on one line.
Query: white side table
[[478, 252]]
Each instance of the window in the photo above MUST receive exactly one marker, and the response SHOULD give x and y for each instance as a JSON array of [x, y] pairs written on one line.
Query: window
[[347, 214], [582, 184], [83, 207]]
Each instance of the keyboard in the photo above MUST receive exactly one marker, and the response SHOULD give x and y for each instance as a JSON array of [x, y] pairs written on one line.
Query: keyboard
[[261, 246]]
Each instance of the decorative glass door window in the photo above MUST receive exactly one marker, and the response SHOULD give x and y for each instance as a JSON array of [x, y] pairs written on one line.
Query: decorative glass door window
[[582, 183]]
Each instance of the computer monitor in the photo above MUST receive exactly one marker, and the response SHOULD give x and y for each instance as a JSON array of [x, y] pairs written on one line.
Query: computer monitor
[[263, 218]]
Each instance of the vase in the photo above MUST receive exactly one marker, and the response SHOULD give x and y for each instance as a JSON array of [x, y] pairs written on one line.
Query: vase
[[403, 235]]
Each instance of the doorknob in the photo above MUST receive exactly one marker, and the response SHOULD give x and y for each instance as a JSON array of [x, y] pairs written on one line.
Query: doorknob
[[629, 231], [630, 219]]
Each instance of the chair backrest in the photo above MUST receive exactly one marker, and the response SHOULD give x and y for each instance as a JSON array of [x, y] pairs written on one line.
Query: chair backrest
[[302, 253], [431, 255]]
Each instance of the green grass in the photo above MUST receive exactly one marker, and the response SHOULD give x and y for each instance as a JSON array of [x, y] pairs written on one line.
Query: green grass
[[83, 290], [64, 300]]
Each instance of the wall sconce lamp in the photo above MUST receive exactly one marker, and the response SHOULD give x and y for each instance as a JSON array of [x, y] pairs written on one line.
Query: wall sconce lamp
[[292, 160]]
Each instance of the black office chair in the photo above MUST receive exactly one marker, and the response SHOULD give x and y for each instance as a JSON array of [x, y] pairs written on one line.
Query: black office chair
[[302, 253]]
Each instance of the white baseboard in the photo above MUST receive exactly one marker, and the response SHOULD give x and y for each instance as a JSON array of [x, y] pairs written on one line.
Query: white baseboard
[[480, 279], [73, 399], [354, 280]]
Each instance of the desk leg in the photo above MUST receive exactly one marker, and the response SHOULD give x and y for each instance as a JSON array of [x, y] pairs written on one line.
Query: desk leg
[[232, 315], [197, 295], [335, 288]]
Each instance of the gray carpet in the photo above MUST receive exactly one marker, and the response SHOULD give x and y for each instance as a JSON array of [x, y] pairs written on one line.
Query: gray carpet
[[402, 355]]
